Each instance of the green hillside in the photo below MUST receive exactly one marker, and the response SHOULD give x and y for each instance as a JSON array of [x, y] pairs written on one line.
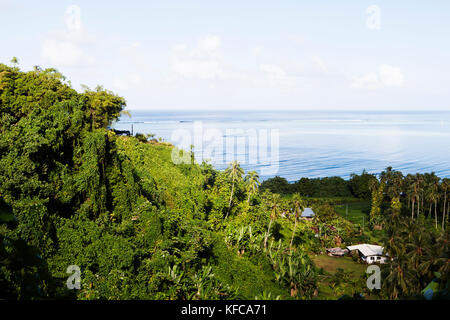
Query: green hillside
[[137, 225], [88, 214]]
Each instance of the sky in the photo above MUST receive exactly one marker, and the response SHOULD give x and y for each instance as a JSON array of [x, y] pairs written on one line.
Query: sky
[[241, 55]]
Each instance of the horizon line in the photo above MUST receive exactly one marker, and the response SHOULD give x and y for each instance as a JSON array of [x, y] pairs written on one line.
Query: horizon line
[[284, 110]]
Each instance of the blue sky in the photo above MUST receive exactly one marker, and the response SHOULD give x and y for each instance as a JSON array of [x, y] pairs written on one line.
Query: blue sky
[[237, 55]]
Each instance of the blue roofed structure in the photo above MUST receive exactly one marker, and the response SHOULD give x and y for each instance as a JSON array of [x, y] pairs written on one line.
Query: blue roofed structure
[[308, 213]]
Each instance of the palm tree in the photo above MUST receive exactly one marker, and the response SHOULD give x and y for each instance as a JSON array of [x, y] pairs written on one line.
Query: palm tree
[[420, 191], [394, 185], [434, 193], [298, 206], [252, 180], [428, 188], [414, 191], [376, 187], [400, 279], [15, 61], [445, 186], [274, 205], [406, 252], [125, 113], [417, 245], [442, 253], [407, 184], [234, 173]]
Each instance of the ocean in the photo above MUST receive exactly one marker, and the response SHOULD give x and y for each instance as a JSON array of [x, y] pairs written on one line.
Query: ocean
[[296, 144]]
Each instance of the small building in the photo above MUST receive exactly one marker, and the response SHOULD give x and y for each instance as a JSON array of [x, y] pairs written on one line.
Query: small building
[[308, 214], [122, 132], [337, 252], [370, 253]]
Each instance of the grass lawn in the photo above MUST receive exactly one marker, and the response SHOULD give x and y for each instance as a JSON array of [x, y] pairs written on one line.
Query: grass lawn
[[358, 213], [330, 265]]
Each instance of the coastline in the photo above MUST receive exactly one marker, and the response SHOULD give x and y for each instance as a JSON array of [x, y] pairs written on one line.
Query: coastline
[[315, 144]]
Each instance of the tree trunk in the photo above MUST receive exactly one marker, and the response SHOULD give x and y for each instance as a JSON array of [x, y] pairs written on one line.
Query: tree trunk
[[231, 199], [418, 207], [429, 211], [448, 211], [443, 211], [435, 212], [293, 233], [412, 210], [422, 203], [267, 235]]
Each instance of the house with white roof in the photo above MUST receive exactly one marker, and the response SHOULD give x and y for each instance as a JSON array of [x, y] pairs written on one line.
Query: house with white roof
[[370, 253]]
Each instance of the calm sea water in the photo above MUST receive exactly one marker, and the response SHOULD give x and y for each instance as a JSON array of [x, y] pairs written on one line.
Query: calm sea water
[[316, 144]]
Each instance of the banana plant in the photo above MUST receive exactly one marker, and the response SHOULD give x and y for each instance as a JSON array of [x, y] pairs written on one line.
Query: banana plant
[[267, 296], [175, 275], [203, 283]]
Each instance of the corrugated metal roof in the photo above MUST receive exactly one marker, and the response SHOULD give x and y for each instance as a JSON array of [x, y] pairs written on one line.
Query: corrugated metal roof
[[308, 213], [367, 249]]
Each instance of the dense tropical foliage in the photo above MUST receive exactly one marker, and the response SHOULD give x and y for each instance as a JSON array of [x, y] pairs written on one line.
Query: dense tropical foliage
[[140, 226], [357, 186]]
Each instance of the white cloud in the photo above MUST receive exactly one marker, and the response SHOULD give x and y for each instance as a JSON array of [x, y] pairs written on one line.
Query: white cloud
[[391, 76], [127, 82], [61, 53], [73, 18], [257, 51], [202, 62], [297, 39], [368, 81], [319, 64], [210, 43], [277, 76], [66, 47], [387, 76], [130, 49]]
